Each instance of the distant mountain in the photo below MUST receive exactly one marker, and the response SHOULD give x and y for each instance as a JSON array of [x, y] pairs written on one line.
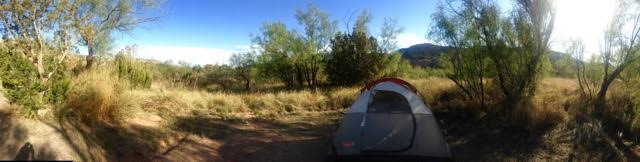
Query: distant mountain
[[427, 54]]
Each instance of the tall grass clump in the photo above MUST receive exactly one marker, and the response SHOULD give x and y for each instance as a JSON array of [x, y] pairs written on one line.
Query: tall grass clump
[[130, 69], [550, 104], [97, 96]]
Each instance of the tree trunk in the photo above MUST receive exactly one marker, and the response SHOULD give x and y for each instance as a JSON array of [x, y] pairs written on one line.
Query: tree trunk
[[600, 102], [247, 84], [602, 94], [90, 55]]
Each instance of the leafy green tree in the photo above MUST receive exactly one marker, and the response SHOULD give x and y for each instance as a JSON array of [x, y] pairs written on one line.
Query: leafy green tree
[[35, 46], [221, 75], [277, 44], [465, 62], [244, 67], [620, 48], [516, 45], [94, 20], [312, 46], [355, 57]]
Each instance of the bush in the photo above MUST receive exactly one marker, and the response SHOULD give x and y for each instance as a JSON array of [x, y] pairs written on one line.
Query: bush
[[354, 58], [21, 84], [97, 96], [132, 70], [18, 81]]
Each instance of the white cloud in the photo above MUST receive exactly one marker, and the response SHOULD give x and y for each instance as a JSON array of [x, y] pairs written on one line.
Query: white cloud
[[193, 55], [409, 39]]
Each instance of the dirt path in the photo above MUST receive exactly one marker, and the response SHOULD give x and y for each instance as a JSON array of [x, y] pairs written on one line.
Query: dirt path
[[250, 142], [22, 138], [149, 138], [302, 138]]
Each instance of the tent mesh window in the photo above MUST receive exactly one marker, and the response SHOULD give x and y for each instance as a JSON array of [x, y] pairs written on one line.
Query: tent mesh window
[[388, 102]]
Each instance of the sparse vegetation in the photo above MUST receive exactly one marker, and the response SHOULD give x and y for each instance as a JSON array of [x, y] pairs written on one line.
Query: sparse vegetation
[[494, 83]]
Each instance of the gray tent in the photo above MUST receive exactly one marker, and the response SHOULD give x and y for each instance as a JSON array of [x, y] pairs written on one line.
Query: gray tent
[[389, 121]]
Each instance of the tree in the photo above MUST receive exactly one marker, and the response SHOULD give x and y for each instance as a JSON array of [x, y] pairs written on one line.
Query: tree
[[35, 46], [389, 34], [244, 67], [277, 44], [313, 45], [620, 49], [94, 20], [587, 80], [459, 29], [531, 28], [355, 57], [516, 45]]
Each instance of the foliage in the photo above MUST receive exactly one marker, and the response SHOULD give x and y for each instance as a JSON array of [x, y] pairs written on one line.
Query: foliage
[[244, 67], [16, 74], [35, 46], [515, 46], [397, 66], [94, 20], [130, 69], [294, 58], [389, 34], [620, 48], [220, 75], [354, 58], [276, 43]]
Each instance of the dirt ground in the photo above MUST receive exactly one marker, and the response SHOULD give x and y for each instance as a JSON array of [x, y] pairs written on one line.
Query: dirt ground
[[154, 138], [301, 137]]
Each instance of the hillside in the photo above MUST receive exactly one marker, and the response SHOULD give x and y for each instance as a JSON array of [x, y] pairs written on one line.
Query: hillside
[[427, 55]]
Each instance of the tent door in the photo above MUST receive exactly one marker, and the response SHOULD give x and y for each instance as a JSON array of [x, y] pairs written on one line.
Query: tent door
[[389, 124]]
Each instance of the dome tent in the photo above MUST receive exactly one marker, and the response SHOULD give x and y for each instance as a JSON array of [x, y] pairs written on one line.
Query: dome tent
[[389, 120]]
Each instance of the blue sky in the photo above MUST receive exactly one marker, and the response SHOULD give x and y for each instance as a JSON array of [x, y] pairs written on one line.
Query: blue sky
[[214, 29], [209, 31]]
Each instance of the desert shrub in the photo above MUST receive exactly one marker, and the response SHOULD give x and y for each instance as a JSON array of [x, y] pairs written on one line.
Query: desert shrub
[[396, 65], [354, 58], [132, 70], [58, 86], [21, 84], [17, 75], [97, 96]]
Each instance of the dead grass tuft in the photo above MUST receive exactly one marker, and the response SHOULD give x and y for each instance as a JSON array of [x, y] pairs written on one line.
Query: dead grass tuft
[[98, 96]]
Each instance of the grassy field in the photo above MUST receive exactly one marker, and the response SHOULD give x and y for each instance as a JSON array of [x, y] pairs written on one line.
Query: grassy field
[[103, 120]]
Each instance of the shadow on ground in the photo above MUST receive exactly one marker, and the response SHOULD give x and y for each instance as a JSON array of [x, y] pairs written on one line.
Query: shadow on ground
[[14, 144], [111, 141], [261, 140]]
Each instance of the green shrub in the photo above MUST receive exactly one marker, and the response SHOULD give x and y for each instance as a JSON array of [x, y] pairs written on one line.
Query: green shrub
[[19, 85], [22, 85], [132, 70]]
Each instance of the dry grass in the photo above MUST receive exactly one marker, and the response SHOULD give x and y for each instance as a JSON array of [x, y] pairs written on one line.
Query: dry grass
[[99, 96], [229, 105], [550, 104]]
